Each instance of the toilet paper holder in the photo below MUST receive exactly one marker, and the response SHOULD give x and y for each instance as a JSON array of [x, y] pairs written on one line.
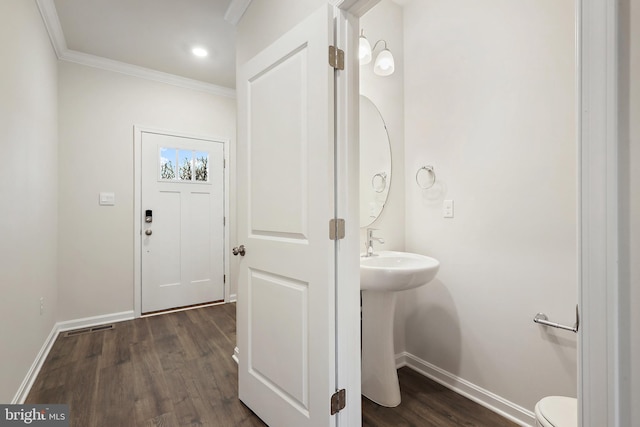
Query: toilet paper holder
[[542, 319]]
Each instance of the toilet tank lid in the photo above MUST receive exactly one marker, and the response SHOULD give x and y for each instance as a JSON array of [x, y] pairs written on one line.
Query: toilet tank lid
[[559, 411]]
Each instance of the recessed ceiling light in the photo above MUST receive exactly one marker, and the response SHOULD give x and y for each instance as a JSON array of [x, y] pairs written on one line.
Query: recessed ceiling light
[[199, 52]]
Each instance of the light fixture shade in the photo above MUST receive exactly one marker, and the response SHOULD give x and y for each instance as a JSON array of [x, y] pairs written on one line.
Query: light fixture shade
[[364, 51], [384, 65]]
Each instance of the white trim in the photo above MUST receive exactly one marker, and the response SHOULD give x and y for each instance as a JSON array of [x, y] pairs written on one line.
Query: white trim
[[347, 304], [86, 322], [356, 8], [489, 400], [233, 298], [227, 221], [137, 227], [235, 10], [137, 208], [34, 370], [176, 310], [598, 351], [348, 336], [68, 325], [52, 23], [236, 355], [145, 73]]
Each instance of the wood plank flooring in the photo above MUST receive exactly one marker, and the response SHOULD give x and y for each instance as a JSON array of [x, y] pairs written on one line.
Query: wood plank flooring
[[168, 370], [176, 370], [429, 404]]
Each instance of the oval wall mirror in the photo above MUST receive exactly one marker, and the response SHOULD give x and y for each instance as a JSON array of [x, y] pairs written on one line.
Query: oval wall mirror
[[375, 162]]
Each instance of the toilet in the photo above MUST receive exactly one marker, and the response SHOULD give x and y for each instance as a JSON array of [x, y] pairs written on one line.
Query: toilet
[[557, 411]]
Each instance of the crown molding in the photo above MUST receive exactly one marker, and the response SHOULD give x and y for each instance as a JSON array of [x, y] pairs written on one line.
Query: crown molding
[[56, 35], [145, 73], [236, 9], [52, 23], [354, 7]]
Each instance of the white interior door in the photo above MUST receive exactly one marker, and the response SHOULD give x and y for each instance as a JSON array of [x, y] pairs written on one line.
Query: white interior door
[[286, 295], [182, 200]]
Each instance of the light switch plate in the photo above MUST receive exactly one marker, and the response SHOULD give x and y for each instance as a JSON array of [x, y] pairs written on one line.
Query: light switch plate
[[447, 209], [107, 199]]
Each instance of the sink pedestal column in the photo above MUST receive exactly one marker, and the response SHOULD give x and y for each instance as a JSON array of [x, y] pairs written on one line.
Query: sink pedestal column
[[379, 375]]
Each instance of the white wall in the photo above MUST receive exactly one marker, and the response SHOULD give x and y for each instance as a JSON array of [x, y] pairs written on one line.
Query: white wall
[[489, 101], [97, 111], [260, 25], [385, 22], [634, 211], [28, 189]]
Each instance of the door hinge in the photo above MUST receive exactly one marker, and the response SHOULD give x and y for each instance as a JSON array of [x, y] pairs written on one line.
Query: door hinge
[[338, 401], [336, 58], [224, 278], [224, 163], [336, 229], [224, 220]]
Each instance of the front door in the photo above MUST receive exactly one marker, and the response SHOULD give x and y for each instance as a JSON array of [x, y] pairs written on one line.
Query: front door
[[286, 294], [182, 202]]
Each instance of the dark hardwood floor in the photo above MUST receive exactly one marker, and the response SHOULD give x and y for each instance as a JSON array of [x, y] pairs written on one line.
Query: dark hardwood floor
[[176, 370], [427, 403]]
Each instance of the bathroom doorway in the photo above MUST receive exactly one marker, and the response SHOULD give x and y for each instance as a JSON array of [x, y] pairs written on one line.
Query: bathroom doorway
[[482, 96], [605, 323]]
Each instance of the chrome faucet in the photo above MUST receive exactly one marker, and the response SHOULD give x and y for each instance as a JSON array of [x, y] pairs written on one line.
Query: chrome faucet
[[369, 242]]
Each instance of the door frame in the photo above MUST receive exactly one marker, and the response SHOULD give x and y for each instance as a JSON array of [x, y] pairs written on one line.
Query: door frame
[[600, 367], [604, 323], [138, 130], [347, 181]]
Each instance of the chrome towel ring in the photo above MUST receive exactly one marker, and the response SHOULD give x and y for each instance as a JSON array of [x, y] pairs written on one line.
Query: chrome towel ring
[[382, 182], [429, 171]]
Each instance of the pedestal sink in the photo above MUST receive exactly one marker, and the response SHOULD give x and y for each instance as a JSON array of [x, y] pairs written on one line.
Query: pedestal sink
[[381, 276]]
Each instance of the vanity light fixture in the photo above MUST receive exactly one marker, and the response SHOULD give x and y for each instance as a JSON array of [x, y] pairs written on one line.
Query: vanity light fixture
[[384, 64], [364, 49]]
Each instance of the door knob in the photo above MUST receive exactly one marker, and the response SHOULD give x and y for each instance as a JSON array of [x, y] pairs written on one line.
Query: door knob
[[239, 250], [148, 232]]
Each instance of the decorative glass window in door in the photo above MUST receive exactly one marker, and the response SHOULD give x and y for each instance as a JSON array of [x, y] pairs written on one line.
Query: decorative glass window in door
[[182, 165], [201, 165], [168, 163], [185, 168]]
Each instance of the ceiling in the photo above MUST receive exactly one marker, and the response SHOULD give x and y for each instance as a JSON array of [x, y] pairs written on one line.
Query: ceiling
[[144, 37], [156, 34]]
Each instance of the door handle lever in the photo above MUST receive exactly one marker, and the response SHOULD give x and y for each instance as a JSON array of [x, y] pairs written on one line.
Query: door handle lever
[[238, 250]]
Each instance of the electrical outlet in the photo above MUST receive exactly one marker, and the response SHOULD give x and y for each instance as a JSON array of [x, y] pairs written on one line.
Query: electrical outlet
[[447, 209], [41, 305]]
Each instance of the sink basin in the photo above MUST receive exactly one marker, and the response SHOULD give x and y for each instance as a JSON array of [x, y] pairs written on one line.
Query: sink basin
[[380, 277], [396, 271]]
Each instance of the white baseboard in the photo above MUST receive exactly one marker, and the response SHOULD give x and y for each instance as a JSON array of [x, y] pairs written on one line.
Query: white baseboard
[[233, 298], [489, 400], [67, 325], [27, 383]]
